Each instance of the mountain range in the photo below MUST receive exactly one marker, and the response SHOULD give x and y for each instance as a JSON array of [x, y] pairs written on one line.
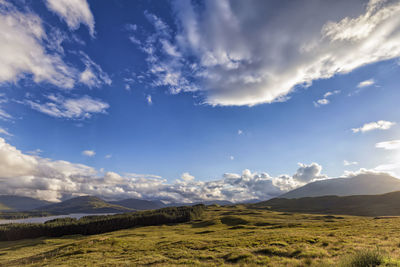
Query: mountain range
[[362, 184]]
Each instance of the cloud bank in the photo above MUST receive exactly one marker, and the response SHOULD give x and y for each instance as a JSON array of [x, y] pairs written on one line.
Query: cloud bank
[[241, 53], [32, 175]]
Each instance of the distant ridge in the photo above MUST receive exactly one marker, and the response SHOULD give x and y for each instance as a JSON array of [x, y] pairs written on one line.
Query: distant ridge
[[139, 204], [362, 184], [18, 203], [84, 204], [361, 205]]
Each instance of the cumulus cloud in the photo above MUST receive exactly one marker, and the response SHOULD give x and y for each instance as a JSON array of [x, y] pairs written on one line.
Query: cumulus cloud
[[366, 83], [306, 173], [73, 12], [389, 145], [71, 108], [88, 153], [187, 177], [23, 50], [378, 125], [217, 53], [35, 176]]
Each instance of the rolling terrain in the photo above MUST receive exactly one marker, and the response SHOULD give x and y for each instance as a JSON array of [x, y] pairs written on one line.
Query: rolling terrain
[[228, 236], [362, 205], [84, 204]]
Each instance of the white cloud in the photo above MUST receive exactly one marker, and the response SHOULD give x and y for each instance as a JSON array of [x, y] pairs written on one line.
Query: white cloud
[[108, 156], [325, 100], [5, 132], [330, 93], [231, 157], [187, 177], [321, 102], [349, 163], [240, 132], [149, 100], [366, 83], [216, 52], [389, 145], [73, 12], [378, 125], [88, 153], [23, 50], [34, 176], [307, 173], [70, 108]]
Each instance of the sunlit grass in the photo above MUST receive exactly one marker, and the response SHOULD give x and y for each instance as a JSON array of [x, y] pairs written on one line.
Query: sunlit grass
[[224, 236]]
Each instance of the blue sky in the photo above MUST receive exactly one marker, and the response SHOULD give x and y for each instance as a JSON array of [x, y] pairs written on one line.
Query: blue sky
[[252, 98]]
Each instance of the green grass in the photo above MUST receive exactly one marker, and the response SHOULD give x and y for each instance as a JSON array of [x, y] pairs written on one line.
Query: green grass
[[224, 236]]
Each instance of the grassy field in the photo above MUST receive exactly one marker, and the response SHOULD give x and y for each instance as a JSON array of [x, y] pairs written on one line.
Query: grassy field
[[224, 236]]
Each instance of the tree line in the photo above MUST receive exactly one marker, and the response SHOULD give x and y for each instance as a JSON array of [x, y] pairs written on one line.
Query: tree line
[[90, 225]]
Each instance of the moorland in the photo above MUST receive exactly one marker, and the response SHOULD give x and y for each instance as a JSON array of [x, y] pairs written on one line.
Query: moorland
[[223, 236]]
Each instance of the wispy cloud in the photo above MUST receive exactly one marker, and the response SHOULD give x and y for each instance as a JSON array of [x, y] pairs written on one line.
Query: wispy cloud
[[366, 83], [325, 100], [73, 13], [389, 145], [5, 132], [214, 51], [70, 108], [22, 37], [349, 163], [378, 125]]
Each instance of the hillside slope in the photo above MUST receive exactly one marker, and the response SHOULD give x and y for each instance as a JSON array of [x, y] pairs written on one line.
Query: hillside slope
[[138, 204], [84, 204], [362, 184], [361, 205], [17, 203]]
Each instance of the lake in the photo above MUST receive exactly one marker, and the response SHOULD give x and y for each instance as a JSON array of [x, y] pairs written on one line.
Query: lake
[[48, 218]]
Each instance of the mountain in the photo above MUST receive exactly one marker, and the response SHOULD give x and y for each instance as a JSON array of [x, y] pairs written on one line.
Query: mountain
[[362, 184], [84, 204], [17, 203], [361, 205], [139, 204]]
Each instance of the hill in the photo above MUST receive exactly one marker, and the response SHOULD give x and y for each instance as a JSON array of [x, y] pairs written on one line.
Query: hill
[[362, 184], [17, 203], [84, 204], [361, 205], [139, 204]]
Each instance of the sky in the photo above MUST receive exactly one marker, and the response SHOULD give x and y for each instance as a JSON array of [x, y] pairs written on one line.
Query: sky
[[195, 100]]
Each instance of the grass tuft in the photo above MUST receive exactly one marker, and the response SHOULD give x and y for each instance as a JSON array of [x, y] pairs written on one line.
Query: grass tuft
[[363, 258]]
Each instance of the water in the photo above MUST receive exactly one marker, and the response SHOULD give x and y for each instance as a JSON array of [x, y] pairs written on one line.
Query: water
[[48, 218]]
